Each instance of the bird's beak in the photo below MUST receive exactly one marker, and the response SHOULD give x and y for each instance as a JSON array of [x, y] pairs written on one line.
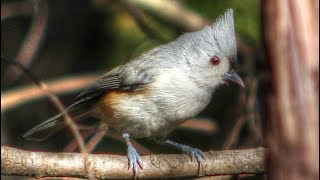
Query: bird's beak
[[233, 76]]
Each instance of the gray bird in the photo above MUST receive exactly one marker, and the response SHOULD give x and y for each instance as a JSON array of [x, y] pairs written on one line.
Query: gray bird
[[162, 88]]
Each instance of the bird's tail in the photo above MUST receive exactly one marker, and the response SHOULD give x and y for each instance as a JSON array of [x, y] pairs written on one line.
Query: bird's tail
[[56, 123], [45, 129]]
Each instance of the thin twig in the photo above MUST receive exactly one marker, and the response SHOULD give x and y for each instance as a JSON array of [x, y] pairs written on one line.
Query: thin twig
[[32, 41], [58, 104], [234, 135], [175, 12], [18, 8], [207, 126], [247, 118], [101, 131], [139, 19], [21, 95], [93, 142], [251, 109]]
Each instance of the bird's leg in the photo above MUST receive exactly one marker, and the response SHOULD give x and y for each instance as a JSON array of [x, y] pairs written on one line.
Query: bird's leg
[[192, 152], [134, 159]]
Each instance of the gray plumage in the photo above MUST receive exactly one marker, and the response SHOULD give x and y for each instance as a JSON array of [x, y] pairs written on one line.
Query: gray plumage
[[154, 93], [179, 78]]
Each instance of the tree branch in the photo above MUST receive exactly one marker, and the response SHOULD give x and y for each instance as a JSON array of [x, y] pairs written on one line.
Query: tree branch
[[43, 164], [34, 37], [20, 8], [60, 107], [291, 35], [18, 96], [175, 12]]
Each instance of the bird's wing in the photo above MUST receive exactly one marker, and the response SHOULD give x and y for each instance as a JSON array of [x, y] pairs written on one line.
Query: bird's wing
[[85, 101], [115, 80], [98, 88], [134, 75]]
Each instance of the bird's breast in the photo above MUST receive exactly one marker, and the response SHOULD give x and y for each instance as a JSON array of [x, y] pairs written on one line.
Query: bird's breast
[[155, 110], [177, 96]]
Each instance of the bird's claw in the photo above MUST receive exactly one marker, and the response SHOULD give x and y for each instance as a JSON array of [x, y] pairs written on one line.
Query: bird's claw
[[194, 153], [134, 160], [198, 154]]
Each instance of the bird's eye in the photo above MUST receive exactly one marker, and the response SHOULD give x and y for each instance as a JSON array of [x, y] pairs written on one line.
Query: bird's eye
[[215, 60]]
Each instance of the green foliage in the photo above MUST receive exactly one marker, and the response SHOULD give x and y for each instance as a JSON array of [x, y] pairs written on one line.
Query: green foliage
[[129, 40], [247, 14]]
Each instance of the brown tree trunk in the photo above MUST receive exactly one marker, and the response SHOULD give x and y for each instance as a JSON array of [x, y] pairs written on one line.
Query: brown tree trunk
[[291, 36]]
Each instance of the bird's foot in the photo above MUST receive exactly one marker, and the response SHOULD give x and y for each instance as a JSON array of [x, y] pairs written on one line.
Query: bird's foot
[[192, 152], [134, 159]]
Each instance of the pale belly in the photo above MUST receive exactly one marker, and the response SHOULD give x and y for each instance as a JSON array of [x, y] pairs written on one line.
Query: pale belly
[[154, 112], [142, 117]]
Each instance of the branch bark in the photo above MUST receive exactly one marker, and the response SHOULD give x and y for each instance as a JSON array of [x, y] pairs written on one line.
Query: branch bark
[[291, 32], [14, 98], [175, 12], [33, 39], [60, 107], [43, 164], [20, 8]]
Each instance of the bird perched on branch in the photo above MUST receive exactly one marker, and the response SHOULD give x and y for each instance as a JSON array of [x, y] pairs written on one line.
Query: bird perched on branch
[[155, 92]]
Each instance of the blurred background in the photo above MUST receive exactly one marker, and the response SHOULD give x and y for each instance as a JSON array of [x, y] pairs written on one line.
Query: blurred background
[[69, 44]]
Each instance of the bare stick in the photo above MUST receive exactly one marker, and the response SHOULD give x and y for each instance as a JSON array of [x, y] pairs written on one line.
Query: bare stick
[[56, 101], [139, 19], [41, 164], [234, 135], [93, 142], [20, 8], [174, 12], [15, 97], [33, 39]]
